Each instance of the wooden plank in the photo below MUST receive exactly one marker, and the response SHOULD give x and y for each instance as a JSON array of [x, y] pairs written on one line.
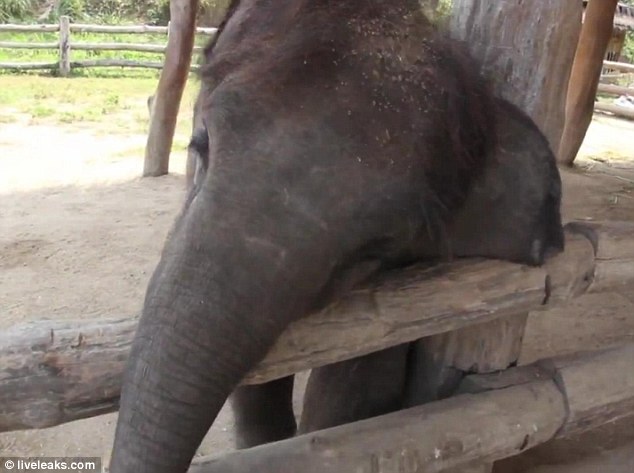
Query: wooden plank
[[132, 29], [73, 373], [60, 371], [620, 66], [117, 63], [436, 437], [28, 66], [85, 28], [599, 387], [28, 28], [141, 47], [624, 112], [615, 89], [51, 367], [151, 48], [30, 45], [497, 416], [615, 256]]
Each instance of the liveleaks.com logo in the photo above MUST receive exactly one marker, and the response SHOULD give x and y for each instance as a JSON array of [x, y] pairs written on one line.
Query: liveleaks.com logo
[[46, 464]]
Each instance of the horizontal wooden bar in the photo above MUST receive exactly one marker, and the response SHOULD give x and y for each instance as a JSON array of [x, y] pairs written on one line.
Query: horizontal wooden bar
[[620, 66], [117, 63], [619, 111], [28, 28], [616, 89], [17, 45], [28, 66], [53, 371], [496, 416]]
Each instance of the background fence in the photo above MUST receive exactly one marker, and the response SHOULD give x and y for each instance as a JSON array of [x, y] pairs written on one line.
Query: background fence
[[65, 45], [607, 87], [613, 71]]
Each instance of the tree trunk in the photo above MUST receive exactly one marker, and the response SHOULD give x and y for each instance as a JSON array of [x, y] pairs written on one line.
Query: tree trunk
[[586, 73], [169, 91], [527, 49]]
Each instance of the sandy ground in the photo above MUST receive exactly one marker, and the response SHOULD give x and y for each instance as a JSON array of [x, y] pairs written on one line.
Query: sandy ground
[[80, 234]]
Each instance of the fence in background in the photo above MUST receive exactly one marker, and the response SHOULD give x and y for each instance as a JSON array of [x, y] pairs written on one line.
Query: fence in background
[[65, 45], [605, 87]]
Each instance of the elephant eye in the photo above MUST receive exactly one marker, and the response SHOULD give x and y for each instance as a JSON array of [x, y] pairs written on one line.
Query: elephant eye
[[199, 144]]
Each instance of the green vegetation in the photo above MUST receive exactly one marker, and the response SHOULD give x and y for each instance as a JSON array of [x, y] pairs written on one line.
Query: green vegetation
[[628, 48], [114, 12], [101, 11], [110, 105], [51, 55]]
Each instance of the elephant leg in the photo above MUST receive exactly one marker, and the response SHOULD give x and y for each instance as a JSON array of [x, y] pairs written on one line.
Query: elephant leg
[[264, 412], [355, 389]]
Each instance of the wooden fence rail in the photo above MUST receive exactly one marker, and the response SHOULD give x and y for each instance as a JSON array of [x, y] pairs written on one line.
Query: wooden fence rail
[[64, 45], [56, 372], [496, 416], [612, 89]]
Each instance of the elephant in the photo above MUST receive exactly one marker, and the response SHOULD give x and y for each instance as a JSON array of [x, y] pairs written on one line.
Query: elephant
[[335, 140]]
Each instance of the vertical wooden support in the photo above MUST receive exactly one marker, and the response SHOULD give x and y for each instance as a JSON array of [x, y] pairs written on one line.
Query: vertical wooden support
[[586, 73], [527, 49], [64, 46], [443, 360], [169, 91]]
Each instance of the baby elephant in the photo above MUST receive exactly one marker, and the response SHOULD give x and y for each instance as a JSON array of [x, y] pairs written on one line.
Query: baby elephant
[[334, 139]]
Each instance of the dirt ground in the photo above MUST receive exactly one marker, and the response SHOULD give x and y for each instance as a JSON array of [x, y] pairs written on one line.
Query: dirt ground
[[80, 234]]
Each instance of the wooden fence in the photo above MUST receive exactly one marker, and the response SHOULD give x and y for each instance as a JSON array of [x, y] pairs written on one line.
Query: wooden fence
[[53, 372], [65, 45], [611, 89]]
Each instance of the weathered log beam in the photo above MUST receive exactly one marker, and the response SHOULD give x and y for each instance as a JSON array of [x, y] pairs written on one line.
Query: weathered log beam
[[55, 372], [615, 90], [598, 386], [117, 63], [430, 438], [617, 110], [614, 262], [620, 66], [28, 66], [502, 415]]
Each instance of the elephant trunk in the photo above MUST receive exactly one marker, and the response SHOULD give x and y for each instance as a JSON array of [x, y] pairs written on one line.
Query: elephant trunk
[[216, 303]]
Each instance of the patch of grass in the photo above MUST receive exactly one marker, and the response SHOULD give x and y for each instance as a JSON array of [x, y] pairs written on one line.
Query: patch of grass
[[109, 105], [41, 111]]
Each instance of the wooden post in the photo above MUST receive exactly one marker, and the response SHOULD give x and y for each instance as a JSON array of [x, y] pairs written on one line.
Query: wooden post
[[169, 91], [64, 46], [527, 49], [527, 53], [586, 73]]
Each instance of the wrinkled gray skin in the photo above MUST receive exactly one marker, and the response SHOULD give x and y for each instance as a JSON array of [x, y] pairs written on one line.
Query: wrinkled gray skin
[[338, 140]]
